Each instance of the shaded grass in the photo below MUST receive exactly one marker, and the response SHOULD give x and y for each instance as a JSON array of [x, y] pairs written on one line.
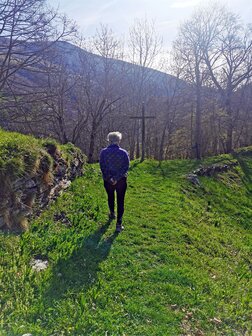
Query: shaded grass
[[244, 157], [183, 260]]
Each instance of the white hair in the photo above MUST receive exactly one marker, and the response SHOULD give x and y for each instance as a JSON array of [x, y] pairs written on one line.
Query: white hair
[[114, 137]]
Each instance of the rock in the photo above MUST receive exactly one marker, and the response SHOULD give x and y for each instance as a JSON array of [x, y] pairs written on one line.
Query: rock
[[19, 184], [215, 320], [58, 189], [27, 335], [61, 217], [61, 168], [39, 265], [65, 184], [76, 163], [214, 169], [30, 184], [174, 306], [28, 195], [188, 316], [194, 179]]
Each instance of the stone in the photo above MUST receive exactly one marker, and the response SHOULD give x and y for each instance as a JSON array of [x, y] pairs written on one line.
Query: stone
[[24, 183], [61, 169], [76, 163], [215, 320], [31, 193], [61, 217], [194, 179], [39, 265], [30, 184], [174, 306], [214, 169]]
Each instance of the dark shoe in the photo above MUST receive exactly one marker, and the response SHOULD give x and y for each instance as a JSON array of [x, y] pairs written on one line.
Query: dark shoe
[[119, 228], [112, 215]]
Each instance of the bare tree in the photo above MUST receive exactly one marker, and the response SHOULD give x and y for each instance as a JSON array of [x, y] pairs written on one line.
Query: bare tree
[[27, 29], [63, 102], [228, 56], [55, 106], [101, 81], [144, 47], [172, 107], [189, 63], [215, 51]]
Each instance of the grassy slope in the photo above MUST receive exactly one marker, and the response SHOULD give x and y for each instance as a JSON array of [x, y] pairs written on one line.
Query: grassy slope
[[183, 260], [21, 154]]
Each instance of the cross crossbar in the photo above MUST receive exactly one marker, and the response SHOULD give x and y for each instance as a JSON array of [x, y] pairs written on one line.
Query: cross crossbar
[[145, 117]]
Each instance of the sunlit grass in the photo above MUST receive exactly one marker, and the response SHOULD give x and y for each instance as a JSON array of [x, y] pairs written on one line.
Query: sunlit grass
[[182, 265]]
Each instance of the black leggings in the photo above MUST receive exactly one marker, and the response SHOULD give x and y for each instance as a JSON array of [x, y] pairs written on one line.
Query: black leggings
[[120, 188]]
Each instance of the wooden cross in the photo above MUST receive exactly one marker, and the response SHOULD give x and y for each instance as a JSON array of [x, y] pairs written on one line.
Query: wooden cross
[[143, 117]]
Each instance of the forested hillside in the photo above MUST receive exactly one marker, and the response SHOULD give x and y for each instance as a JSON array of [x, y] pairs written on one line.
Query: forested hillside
[[182, 266]]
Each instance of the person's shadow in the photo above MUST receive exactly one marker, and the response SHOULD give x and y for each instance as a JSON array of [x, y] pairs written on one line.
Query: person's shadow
[[79, 272]]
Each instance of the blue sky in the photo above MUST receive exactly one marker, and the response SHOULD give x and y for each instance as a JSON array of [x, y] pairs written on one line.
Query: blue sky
[[120, 14]]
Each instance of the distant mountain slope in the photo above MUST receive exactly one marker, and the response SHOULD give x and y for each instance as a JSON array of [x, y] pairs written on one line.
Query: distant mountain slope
[[70, 55]]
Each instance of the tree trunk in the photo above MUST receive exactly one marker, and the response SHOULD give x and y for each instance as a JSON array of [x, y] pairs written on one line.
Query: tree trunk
[[132, 143], [64, 138], [143, 134], [138, 141], [229, 141], [198, 120], [229, 144], [161, 148], [92, 144]]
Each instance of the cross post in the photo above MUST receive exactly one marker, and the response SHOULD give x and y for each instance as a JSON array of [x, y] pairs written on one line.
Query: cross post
[[143, 118]]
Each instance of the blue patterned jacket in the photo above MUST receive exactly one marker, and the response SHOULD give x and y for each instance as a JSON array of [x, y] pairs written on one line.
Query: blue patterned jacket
[[114, 162]]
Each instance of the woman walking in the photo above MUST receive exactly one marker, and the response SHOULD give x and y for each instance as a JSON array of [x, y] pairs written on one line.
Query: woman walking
[[114, 164]]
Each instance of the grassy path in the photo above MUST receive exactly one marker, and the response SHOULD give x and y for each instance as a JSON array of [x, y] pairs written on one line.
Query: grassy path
[[181, 267]]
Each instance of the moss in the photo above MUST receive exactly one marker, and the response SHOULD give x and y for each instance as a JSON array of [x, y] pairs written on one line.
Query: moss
[[69, 150], [23, 156], [18, 155], [51, 146]]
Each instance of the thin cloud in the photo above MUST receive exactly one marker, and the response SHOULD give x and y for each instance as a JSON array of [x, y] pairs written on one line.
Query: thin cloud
[[167, 23], [120, 14], [108, 5], [185, 4]]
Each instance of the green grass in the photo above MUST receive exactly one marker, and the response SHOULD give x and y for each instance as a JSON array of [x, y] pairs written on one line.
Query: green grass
[[183, 259], [19, 155], [23, 155]]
